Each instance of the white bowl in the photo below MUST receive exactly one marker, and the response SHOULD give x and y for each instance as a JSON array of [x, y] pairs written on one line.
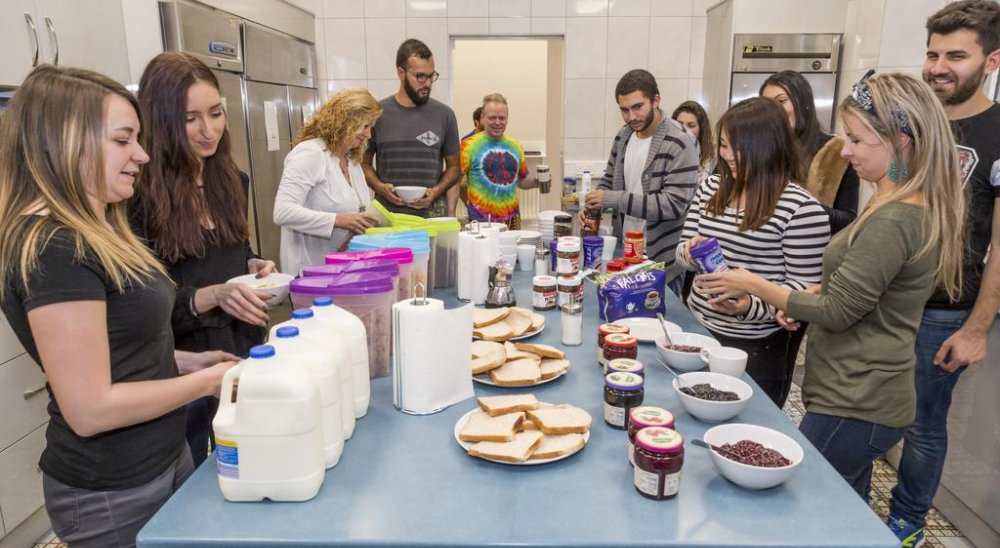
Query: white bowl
[[708, 410], [410, 193], [274, 283], [748, 476], [685, 361]]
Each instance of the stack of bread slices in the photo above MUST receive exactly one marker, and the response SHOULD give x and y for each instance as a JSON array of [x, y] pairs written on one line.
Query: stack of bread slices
[[503, 324], [519, 428], [517, 364]]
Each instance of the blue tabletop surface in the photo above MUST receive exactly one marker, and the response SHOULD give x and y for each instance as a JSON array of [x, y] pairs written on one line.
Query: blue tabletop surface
[[404, 481]]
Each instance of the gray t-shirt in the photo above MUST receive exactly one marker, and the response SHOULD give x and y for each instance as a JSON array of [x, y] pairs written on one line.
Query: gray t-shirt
[[410, 145]]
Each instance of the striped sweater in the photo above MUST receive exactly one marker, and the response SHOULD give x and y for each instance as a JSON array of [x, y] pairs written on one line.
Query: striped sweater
[[787, 249], [669, 178]]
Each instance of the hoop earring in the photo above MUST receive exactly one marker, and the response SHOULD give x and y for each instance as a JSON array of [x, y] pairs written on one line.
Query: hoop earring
[[897, 171]]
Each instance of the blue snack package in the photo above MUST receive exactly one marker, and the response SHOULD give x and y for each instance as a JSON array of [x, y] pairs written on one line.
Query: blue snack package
[[637, 293]]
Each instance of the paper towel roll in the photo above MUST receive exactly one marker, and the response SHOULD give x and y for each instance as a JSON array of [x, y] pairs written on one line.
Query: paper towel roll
[[463, 279], [431, 363], [482, 257]]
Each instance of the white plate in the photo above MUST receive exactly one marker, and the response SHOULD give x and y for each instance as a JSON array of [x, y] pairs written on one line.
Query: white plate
[[526, 335], [484, 378], [647, 329], [466, 445]]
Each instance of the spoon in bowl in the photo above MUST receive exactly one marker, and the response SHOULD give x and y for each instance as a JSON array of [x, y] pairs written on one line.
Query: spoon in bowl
[[663, 325], [724, 452], [675, 374]]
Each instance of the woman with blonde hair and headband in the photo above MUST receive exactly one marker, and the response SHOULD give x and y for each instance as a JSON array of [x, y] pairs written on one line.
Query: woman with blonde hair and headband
[[877, 275], [322, 198]]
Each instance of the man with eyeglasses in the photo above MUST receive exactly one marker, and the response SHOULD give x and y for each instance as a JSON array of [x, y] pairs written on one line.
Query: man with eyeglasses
[[415, 141]]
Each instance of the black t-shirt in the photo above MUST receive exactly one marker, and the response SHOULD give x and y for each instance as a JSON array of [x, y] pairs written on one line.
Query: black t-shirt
[[141, 345], [978, 140]]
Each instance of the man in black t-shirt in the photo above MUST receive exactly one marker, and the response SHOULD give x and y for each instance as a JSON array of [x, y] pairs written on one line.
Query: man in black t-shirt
[[963, 48]]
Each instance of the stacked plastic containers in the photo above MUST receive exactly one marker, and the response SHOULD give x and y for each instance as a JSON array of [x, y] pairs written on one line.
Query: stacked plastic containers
[[384, 266], [403, 256], [418, 241], [367, 295], [446, 263]]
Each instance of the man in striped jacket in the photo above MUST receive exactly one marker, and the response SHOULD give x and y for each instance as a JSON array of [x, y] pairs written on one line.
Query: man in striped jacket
[[652, 172]]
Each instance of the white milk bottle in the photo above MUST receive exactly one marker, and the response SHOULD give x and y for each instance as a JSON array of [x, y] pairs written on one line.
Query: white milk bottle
[[342, 323], [295, 350], [320, 340], [269, 437]]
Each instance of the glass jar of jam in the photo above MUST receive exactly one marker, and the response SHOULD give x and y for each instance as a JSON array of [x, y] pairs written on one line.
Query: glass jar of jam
[[622, 392], [543, 292], [570, 289], [626, 365], [567, 258], [635, 246], [602, 331], [620, 345], [562, 225], [642, 417], [659, 456]]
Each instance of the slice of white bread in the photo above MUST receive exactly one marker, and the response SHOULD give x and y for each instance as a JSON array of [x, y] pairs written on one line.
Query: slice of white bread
[[542, 350], [482, 427], [553, 368], [488, 362], [560, 419], [513, 353], [528, 425], [517, 450], [499, 331], [521, 372], [557, 446], [483, 348], [537, 322], [486, 316], [519, 323], [521, 311], [499, 405]]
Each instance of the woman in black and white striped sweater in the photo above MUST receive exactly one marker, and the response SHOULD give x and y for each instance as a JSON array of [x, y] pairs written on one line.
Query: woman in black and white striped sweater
[[764, 222]]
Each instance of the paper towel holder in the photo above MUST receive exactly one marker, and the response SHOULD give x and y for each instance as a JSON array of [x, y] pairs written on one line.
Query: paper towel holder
[[423, 298]]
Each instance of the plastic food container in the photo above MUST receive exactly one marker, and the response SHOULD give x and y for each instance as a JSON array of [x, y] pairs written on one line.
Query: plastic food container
[[418, 241], [384, 266], [446, 263], [402, 255], [367, 295]]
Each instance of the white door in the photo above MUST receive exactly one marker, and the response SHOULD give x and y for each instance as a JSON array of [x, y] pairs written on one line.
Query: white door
[[88, 35], [17, 20]]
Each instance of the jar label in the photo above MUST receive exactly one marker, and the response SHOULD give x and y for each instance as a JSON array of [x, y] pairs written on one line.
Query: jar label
[[615, 416], [568, 265], [650, 482], [565, 297], [631, 452], [543, 299], [600, 357]]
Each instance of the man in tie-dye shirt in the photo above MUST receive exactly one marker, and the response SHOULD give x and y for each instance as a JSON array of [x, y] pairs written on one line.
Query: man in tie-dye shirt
[[493, 168]]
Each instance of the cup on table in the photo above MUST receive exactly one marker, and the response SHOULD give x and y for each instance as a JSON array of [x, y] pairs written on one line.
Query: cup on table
[[726, 360], [608, 252], [525, 256]]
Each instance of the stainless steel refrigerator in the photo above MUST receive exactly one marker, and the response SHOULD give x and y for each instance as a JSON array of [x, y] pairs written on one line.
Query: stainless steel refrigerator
[[268, 84], [815, 56]]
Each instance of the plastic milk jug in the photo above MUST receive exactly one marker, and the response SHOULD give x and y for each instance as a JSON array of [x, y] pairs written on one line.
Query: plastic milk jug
[[346, 325], [295, 350], [316, 337], [269, 441]]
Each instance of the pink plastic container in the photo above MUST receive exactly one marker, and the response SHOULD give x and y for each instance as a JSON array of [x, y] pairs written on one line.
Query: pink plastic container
[[402, 255]]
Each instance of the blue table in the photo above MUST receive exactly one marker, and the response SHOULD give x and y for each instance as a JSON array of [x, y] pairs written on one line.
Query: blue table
[[404, 481]]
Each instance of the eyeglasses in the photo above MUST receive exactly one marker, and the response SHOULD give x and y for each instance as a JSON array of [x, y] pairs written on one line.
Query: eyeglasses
[[422, 77]]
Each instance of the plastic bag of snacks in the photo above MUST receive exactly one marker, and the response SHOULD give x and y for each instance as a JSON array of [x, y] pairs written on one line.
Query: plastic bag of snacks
[[633, 293]]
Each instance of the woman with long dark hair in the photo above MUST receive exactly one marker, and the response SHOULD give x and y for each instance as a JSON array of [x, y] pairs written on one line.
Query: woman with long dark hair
[[191, 206], [693, 117], [763, 222]]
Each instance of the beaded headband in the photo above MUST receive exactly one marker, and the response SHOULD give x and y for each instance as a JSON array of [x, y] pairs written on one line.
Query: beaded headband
[[862, 95]]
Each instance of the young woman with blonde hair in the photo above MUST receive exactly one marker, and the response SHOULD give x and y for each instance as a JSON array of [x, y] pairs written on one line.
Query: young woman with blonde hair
[[877, 275], [322, 198], [92, 306]]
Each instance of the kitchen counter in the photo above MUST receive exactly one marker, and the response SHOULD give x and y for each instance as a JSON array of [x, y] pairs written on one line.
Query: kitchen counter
[[404, 481]]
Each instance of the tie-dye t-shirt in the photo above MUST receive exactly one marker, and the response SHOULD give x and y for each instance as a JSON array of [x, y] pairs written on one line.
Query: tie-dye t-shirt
[[493, 167]]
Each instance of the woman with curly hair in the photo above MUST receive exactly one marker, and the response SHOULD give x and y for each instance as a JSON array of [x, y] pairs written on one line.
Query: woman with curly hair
[[322, 197]]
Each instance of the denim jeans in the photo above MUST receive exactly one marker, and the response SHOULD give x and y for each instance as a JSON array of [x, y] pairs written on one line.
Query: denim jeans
[[925, 444], [850, 445]]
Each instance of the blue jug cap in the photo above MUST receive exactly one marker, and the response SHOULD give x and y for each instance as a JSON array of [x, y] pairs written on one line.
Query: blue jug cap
[[262, 351], [287, 332], [322, 301], [302, 313]]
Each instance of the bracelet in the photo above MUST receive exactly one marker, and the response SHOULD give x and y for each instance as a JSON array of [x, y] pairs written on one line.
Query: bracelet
[[194, 310]]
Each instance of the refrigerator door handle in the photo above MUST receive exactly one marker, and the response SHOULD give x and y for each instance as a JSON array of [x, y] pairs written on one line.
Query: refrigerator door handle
[[34, 33]]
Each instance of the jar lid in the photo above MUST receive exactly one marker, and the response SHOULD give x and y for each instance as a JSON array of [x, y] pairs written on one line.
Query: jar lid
[[544, 281], [634, 234], [568, 239], [562, 219], [658, 439], [616, 265], [570, 281], [567, 247], [621, 340], [608, 328], [573, 308], [625, 365], [623, 381], [648, 415]]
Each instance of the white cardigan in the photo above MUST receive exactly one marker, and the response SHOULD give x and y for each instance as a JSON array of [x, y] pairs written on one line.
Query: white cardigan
[[311, 193]]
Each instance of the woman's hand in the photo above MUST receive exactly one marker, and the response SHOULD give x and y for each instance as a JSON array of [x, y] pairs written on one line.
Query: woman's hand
[[354, 222], [260, 267], [786, 321], [686, 248], [213, 375], [189, 362], [240, 301], [736, 306], [728, 284]]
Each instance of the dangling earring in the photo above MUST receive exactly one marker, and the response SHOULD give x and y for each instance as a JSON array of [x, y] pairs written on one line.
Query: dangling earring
[[897, 171]]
